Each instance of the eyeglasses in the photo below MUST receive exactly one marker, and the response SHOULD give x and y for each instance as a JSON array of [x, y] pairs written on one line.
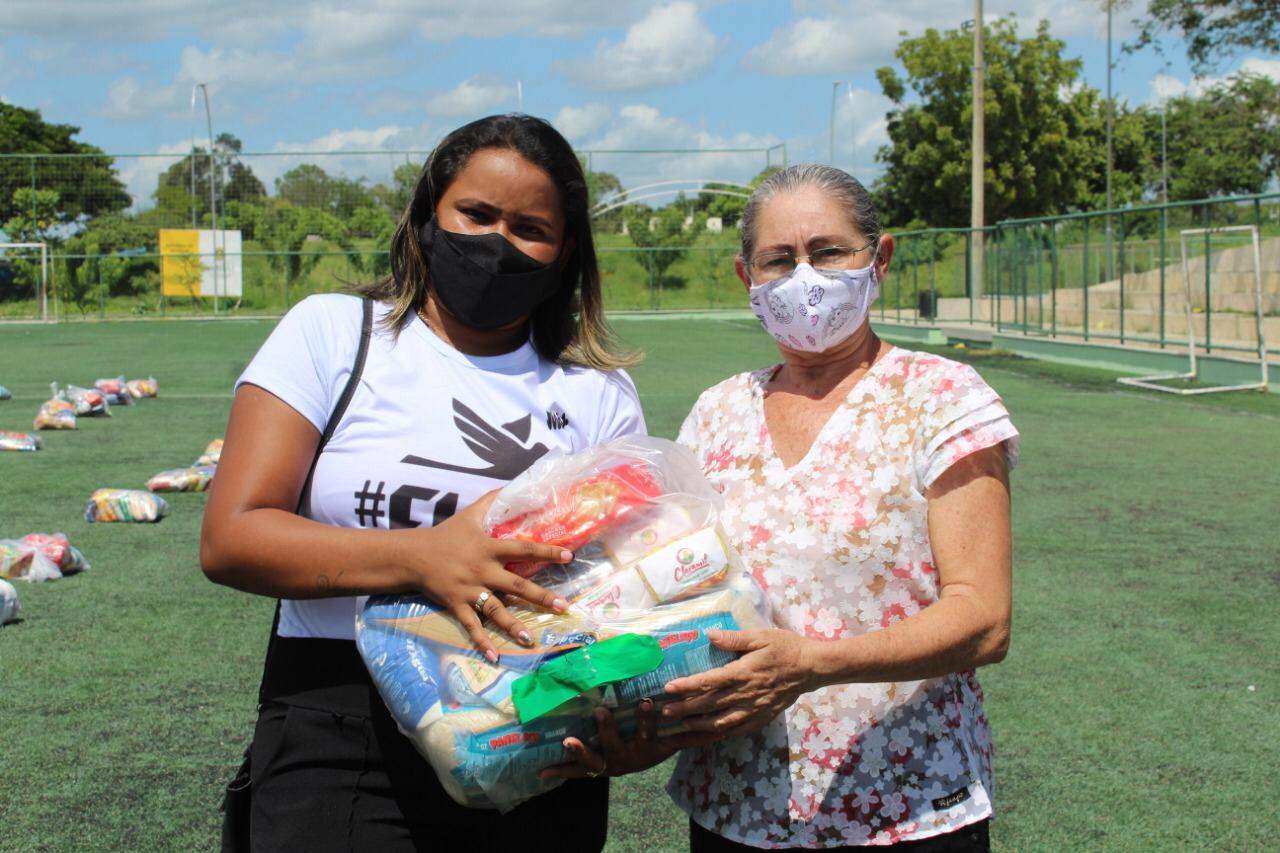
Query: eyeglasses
[[777, 264]]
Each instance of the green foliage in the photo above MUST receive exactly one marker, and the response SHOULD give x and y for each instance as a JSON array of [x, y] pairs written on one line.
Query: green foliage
[[396, 197], [85, 185], [1042, 128], [35, 214], [662, 232], [184, 188], [88, 280], [1212, 29], [309, 186], [1224, 142], [604, 187]]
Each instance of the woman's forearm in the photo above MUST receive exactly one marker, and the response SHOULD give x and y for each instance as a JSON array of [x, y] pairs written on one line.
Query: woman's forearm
[[274, 552], [956, 633]]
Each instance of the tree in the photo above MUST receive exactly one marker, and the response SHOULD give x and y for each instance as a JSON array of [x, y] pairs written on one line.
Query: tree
[[395, 198], [662, 233], [112, 269], [85, 185], [1224, 142], [604, 187], [1043, 129], [309, 186], [1212, 29], [183, 188]]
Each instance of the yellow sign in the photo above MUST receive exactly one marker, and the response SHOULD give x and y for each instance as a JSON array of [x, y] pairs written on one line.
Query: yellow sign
[[181, 266]]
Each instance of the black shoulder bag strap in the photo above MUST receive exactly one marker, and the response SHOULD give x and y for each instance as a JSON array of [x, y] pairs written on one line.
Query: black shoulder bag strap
[[335, 417], [237, 800]]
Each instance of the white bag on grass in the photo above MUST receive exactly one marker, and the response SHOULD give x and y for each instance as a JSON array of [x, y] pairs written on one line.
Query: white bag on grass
[[9, 606]]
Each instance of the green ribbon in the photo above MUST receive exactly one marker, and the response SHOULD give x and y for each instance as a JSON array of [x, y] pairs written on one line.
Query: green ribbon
[[559, 680]]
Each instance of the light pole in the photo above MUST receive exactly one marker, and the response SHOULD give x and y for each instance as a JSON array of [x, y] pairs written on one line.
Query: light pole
[[977, 209], [831, 142], [1111, 109], [213, 198]]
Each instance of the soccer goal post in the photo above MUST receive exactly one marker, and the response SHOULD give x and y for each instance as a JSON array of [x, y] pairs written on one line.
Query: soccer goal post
[[1154, 381], [41, 272]]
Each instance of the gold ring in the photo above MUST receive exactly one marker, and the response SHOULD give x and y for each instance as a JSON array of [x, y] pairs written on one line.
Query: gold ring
[[480, 602]]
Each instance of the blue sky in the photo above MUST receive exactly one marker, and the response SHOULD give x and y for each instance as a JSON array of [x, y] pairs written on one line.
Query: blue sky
[[288, 75]]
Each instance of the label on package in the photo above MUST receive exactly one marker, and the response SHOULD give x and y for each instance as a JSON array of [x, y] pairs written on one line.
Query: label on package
[[686, 565]]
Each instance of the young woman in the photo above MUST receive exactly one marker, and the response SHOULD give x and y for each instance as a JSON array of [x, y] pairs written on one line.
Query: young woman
[[489, 348]]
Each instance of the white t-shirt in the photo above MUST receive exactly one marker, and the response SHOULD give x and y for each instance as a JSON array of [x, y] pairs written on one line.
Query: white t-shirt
[[429, 429]]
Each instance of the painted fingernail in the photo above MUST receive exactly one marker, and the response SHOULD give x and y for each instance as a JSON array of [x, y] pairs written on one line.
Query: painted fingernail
[[566, 555], [525, 638], [491, 656], [560, 604]]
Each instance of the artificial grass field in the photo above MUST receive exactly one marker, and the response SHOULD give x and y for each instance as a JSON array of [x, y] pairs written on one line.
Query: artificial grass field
[[1147, 588]]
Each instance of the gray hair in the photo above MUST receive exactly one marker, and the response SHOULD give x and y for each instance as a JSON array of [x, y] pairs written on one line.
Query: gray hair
[[836, 183]]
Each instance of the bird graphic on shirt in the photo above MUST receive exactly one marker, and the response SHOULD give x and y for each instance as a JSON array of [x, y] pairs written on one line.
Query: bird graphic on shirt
[[503, 449]]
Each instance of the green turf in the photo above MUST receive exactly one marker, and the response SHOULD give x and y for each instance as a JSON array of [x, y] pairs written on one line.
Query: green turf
[[1147, 585]]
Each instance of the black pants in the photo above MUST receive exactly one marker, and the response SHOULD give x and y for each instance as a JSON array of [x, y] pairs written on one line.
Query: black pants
[[971, 839], [330, 771]]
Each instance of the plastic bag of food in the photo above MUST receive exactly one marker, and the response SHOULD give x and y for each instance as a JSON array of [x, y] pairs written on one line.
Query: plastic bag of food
[[211, 454], [115, 390], [88, 401], [195, 479], [58, 548], [10, 609], [652, 574], [55, 413], [4, 393], [140, 388], [20, 561], [20, 441], [124, 505]]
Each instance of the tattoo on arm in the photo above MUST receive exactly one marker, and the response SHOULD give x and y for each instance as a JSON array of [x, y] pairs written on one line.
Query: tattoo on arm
[[325, 585]]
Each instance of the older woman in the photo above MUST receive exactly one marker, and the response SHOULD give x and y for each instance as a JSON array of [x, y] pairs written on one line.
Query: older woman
[[867, 488]]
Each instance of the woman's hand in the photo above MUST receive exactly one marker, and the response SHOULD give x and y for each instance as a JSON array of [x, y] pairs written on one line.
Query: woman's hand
[[617, 757], [462, 568], [742, 697]]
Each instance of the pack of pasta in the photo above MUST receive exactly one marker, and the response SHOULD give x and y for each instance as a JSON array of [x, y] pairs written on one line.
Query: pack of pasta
[[652, 574]]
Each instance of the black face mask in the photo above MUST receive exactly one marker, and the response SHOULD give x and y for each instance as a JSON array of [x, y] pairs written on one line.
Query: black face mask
[[482, 279]]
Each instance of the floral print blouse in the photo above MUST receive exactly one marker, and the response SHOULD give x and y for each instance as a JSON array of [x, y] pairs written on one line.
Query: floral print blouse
[[840, 544]]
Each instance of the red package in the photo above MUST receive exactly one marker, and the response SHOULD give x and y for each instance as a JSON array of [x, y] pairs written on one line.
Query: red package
[[575, 517]]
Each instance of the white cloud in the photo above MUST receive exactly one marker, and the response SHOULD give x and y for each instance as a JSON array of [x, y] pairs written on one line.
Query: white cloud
[[128, 98], [580, 122], [376, 24], [845, 36], [640, 126], [472, 97], [1264, 67], [669, 45]]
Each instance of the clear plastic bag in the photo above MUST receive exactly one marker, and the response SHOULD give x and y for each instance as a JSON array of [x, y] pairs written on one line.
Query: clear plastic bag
[[108, 505], [5, 393], [58, 548], [20, 561], [115, 390], [652, 575], [10, 609], [139, 388], [55, 413], [211, 454], [87, 401], [20, 441], [196, 479]]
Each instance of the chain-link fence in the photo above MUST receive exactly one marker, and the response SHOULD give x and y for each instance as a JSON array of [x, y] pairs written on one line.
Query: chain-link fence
[[200, 233], [1113, 277]]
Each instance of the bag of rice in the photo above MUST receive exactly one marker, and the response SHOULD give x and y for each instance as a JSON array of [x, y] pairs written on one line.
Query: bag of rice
[[108, 505]]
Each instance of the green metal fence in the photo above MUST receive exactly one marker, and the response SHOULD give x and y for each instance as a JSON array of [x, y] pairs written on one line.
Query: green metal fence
[[1107, 276]]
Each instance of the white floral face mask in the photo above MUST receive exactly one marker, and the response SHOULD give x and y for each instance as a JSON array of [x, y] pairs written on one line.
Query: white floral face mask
[[812, 310]]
